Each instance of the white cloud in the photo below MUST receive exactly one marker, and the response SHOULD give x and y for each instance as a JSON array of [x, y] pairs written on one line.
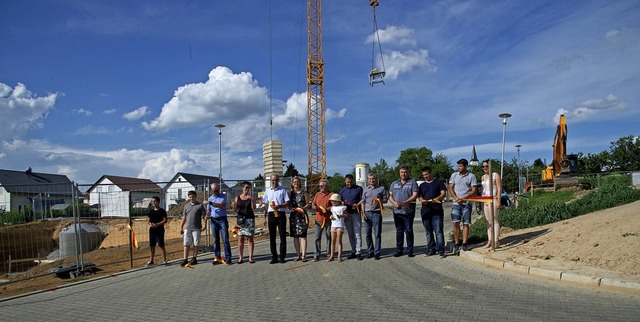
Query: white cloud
[[92, 130], [330, 114], [84, 112], [393, 35], [592, 107], [623, 37], [165, 166], [136, 114], [20, 110], [109, 111], [224, 97], [398, 62]]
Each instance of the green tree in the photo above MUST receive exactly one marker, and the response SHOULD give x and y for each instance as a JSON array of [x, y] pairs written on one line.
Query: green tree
[[259, 177], [416, 158], [336, 181], [384, 172], [291, 171], [624, 153], [593, 163]]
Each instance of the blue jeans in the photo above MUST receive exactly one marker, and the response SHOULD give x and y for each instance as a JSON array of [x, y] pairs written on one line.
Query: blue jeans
[[404, 225], [433, 223], [220, 227], [353, 223], [373, 221], [318, 231]]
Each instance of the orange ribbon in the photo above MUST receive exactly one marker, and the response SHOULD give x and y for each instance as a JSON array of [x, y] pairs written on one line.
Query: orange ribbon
[[379, 204], [479, 199], [134, 240], [300, 210], [235, 231], [432, 200]]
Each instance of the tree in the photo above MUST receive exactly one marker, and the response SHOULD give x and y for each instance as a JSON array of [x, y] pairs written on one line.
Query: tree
[[538, 163], [336, 181], [291, 171], [416, 158], [259, 177], [624, 153], [593, 163], [384, 172]]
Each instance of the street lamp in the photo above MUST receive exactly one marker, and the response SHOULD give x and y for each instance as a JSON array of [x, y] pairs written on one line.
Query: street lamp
[[504, 117], [518, 146], [220, 126]]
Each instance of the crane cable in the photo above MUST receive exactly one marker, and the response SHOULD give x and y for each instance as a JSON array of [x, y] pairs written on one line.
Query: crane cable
[[377, 35], [270, 77]]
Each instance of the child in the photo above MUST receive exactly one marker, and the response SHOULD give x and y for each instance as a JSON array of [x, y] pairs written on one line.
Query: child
[[338, 213], [194, 221]]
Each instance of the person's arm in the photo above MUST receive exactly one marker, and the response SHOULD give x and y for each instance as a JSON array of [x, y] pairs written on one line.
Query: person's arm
[[452, 192], [499, 189], [184, 219], [164, 219], [235, 204], [204, 219], [393, 200]]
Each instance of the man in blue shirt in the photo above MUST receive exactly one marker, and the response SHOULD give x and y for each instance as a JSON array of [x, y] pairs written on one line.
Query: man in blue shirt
[[402, 195], [432, 192], [217, 210], [276, 200], [351, 195]]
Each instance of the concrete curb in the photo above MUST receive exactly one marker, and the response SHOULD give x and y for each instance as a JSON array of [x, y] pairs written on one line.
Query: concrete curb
[[551, 274]]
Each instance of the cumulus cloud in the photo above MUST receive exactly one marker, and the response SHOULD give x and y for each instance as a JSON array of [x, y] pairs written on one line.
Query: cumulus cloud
[[165, 166], [136, 114], [330, 114], [224, 96], [84, 112], [589, 108], [20, 110], [398, 62], [400, 36], [109, 111]]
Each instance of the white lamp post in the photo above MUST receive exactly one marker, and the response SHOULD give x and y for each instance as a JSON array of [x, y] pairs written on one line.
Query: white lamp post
[[518, 146], [220, 126], [504, 117]]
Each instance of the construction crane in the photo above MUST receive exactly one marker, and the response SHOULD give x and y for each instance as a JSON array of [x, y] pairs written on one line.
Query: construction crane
[[315, 97]]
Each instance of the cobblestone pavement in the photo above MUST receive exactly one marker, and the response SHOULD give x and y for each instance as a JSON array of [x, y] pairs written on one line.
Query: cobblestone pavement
[[419, 288]]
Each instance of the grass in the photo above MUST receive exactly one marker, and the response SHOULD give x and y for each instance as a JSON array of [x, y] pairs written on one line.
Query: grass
[[549, 207]]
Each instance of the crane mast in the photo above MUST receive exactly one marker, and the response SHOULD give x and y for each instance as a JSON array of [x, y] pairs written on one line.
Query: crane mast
[[317, 160]]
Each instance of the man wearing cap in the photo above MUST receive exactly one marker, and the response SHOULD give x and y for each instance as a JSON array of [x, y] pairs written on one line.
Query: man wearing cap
[[276, 200]]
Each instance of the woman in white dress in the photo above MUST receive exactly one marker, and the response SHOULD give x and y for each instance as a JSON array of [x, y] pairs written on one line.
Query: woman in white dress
[[497, 192]]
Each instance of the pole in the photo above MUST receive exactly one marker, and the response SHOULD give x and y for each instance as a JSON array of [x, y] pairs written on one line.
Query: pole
[[493, 234], [220, 126], [518, 146], [504, 117]]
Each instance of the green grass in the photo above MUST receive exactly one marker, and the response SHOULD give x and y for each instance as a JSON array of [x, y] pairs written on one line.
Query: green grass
[[549, 207]]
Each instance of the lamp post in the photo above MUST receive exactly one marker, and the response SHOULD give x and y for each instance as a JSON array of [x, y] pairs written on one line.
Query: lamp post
[[220, 126], [518, 146], [504, 117]]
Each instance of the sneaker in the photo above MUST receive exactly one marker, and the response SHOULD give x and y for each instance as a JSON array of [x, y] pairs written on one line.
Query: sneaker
[[184, 262], [226, 262], [193, 261], [282, 260], [431, 252], [274, 261], [360, 257], [377, 257], [456, 250], [398, 254], [370, 255], [352, 256], [411, 254], [149, 263], [442, 255], [465, 248], [164, 263]]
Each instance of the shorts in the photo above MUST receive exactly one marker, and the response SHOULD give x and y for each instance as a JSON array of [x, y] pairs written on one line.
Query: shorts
[[156, 237], [191, 237], [461, 212], [336, 229]]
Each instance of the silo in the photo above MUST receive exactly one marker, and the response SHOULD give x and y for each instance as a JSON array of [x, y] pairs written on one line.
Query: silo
[[362, 172], [90, 235]]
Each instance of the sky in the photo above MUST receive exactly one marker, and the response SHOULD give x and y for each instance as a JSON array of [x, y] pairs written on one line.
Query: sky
[[92, 88]]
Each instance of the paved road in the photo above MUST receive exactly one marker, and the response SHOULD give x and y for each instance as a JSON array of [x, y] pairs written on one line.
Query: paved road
[[420, 288]]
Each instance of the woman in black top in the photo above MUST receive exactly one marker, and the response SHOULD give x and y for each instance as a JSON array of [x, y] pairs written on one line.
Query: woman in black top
[[243, 205], [298, 219]]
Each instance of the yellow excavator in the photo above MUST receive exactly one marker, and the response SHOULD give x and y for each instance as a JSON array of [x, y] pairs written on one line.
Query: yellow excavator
[[563, 172]]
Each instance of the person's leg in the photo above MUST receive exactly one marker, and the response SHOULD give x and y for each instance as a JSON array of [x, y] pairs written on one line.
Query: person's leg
[[409, 232], [296, 245], [466, 222], [376, 222], [282, 231], [215, 227], [152, 253], [487, 216], [240, 248], [332, 247], [456, 216], [224, 231], [272, 236], [317, 230], [437, 222], [427, 223], [357, 231], [250, 246], [327, 232], [368, 227], [152, 245], [399, 223], [303, 247], [339, 240], [348, 222], [496, 225], [163, 250], [196, 244]]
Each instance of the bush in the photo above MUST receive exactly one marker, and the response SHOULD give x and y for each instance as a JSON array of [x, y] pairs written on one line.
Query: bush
[[12, 218]]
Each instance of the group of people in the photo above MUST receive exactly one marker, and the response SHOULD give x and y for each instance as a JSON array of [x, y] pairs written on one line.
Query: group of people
[[334, 213]]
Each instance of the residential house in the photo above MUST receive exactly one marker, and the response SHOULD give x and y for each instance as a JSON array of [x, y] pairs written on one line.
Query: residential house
[[117, 196], [181, 183], [34, 193]]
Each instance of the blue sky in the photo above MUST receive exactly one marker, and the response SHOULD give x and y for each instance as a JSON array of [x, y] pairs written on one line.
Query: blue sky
[[89, 88]]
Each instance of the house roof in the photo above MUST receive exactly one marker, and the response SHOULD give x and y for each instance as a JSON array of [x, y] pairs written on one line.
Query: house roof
[[129, 184], [34, 182], [197, 179]]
